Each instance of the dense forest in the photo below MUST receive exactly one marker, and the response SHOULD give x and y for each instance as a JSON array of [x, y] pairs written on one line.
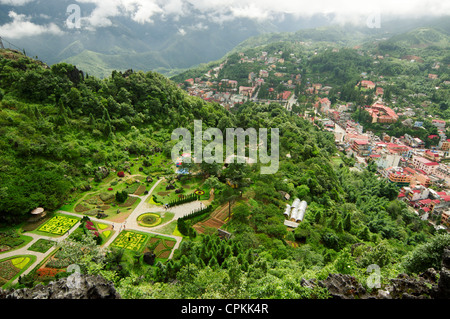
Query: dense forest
[[59, 125]]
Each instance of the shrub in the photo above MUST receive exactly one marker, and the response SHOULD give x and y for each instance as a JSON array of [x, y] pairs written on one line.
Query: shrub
[[121, 197], [428, 255], [121, 174], [105, 197]]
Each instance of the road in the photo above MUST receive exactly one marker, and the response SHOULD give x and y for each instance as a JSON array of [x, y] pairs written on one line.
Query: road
[[129, 224]]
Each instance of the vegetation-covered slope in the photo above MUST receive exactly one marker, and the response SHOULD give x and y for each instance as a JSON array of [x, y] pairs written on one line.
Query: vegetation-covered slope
[[58, 126]]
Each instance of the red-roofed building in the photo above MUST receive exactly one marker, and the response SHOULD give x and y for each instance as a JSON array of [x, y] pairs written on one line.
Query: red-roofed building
[[424, 164], [382, 114], [367, 84], [438, 123], [432, 156], [361, 147]]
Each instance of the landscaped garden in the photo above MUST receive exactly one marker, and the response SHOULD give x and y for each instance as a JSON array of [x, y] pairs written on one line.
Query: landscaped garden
[[12, 267], [154, 219], [161, 246], [173, 188], [10, 240], [42, 245], [58, 225], [131, 240]]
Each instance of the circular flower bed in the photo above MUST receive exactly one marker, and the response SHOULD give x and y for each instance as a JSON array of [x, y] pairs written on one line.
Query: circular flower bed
[[199, 192], [149, 220]]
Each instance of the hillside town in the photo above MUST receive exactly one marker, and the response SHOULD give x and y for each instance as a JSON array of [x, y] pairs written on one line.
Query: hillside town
[[422, 174], [228, 92]]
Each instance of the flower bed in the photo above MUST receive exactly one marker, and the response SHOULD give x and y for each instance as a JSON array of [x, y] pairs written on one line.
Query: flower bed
[[130, 240], [12, 267], [149, 220], [20, 262], [42, 245], [8, 270], [47, 273], [129, 202], [58, 225]]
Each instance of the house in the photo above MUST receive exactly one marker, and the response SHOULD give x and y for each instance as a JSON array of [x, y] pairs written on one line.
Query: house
[[232, 83], [417, 193], [418, 177], [399, 177], [440, 124], [295, 213], [316, 87], [367, 84], [424, 164], [432, 76], [382, 114], [445, 219], [263, 73], [386, 160], [445, 145], [379, 91], [246, 91], [361, 147], [432, 156]]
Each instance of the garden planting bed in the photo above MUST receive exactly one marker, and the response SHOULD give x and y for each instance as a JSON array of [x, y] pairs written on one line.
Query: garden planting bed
[[130, 240], [12, 267], [140, 190], [10, 240], [129, 202], [42, 245], [149, 219], [58, 225], [163, 246]]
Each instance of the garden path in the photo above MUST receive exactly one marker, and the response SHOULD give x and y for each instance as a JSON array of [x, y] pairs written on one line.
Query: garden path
[[129, 224]]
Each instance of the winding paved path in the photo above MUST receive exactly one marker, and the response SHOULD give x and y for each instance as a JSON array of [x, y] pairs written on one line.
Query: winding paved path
[[129, 224]]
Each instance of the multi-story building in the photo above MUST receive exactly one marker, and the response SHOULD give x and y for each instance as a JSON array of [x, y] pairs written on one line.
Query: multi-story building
[[424, 164], [361, 147]]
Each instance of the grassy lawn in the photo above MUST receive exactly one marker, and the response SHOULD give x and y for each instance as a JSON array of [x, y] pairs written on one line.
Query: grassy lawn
[[158, 164], [42, 245], [188, 184], [170, 229]]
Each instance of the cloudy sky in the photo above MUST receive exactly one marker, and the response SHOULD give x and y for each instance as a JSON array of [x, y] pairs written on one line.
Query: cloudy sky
[[218, 11]]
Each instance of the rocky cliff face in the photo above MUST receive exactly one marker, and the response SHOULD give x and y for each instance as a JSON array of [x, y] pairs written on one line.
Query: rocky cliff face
[[429, 285], [82, 287]]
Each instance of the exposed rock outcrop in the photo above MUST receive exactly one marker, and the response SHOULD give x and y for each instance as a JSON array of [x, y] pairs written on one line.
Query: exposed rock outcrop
[[429, 285], [82, 287]]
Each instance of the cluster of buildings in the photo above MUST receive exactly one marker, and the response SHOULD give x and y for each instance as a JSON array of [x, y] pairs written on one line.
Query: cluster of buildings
[[228, 92], [403, 161]]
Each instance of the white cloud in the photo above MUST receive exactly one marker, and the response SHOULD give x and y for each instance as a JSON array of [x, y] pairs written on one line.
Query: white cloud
[[21, 26], [182, 32], [15, 2]]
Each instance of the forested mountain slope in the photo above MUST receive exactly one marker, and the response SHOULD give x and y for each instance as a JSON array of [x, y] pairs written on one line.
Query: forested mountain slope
[[58, 126]]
